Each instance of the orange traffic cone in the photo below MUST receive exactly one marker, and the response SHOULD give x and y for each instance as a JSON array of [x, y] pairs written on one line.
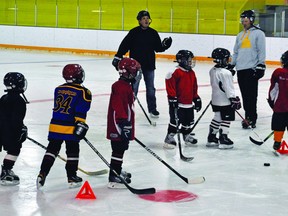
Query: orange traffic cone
[[283, 148], [86, 192]]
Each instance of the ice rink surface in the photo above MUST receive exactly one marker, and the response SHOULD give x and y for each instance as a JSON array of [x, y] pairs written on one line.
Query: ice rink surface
[[237, 183]]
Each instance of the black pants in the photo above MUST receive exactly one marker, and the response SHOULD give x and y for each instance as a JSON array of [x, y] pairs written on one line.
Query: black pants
[[248, 85], [186, 119]]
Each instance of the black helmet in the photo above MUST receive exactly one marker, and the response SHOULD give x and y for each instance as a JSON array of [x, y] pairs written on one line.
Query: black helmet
[[143, 13], [284, 59], [221, 56], [248, 14], [15, 81], [182, 57]]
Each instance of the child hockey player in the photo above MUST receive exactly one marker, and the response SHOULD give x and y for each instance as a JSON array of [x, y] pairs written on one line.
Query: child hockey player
[[182, 92], [278, 100], [224, 102], [12, 130], [71, 104], [120, 119]]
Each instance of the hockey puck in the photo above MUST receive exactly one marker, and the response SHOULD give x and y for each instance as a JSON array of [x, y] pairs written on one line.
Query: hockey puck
[[266, 164]]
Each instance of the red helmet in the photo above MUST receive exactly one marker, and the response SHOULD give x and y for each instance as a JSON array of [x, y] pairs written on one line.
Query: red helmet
[[129, 68], [73, 73]]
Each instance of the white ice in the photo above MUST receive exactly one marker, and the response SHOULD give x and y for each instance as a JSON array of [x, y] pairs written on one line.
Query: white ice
[[236, 184]]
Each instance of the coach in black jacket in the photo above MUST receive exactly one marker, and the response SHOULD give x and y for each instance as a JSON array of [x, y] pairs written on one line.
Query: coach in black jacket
[[142, 42]]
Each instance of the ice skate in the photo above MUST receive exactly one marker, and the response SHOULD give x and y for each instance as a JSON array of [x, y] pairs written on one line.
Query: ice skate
[[189, 139], [74, 181], [116, 183], [154, 114], [225, 142], [40, 181], [170, 142], [8, 177], [212, 141], [276, 145]]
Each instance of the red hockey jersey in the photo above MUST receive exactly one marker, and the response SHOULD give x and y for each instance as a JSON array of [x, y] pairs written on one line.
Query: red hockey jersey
[[278, 91], [121, 107], [182, 84]]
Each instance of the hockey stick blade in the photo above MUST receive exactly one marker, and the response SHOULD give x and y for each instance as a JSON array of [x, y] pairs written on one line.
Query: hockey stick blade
[[196, 180], [185, 158], [93, 173], [262, 141], [133, 190], [255, 141]]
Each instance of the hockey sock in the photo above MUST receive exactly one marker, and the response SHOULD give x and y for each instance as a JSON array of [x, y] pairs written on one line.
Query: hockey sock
[[225, 125], [9, 161], [116, 162], [215, 125], [47, 162], [278, 135], [72, 164]]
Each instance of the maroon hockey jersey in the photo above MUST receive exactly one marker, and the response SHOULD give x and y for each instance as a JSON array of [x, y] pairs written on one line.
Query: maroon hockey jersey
[[121, 107], [278, 91], [182, 84]]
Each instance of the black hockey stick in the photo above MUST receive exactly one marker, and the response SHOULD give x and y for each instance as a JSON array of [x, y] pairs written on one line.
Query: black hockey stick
[[133, 190], [149, 120], [196, 180], [179, 139], [99, 172], [261, 141], [201, 116]]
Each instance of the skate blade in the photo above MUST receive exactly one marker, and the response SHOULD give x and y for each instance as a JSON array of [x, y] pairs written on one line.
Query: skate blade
[[9, 183], [115, 185], [74, 184]]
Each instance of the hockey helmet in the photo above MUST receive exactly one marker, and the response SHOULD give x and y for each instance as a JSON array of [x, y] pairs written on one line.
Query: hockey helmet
[[284, 59], [221, 56], [185, 59], [15, 81], [73, 73], [143, 13], [248, 14], [129, 68]]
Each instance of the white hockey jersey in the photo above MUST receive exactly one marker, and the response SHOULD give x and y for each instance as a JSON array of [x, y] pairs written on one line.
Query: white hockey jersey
[[221, 81]]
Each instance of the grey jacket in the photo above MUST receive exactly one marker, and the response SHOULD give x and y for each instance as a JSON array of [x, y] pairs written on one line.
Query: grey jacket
[[249, 49]]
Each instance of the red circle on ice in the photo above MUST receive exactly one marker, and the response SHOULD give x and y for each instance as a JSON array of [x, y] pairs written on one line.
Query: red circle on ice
[[169, 196]]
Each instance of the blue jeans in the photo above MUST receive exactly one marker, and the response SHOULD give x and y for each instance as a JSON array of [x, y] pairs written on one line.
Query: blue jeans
[[150, 89]]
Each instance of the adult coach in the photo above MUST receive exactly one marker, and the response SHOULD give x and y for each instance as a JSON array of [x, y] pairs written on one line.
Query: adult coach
[[142, 42], [249, 59]]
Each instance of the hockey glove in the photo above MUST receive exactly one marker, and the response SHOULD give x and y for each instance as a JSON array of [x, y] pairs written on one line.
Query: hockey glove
[[115, 62], [271, 103], [80, 130], [259, 71], [173, 102], [166, 43], [235, 103], [197, 104], [24, 134], [126, 130]]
